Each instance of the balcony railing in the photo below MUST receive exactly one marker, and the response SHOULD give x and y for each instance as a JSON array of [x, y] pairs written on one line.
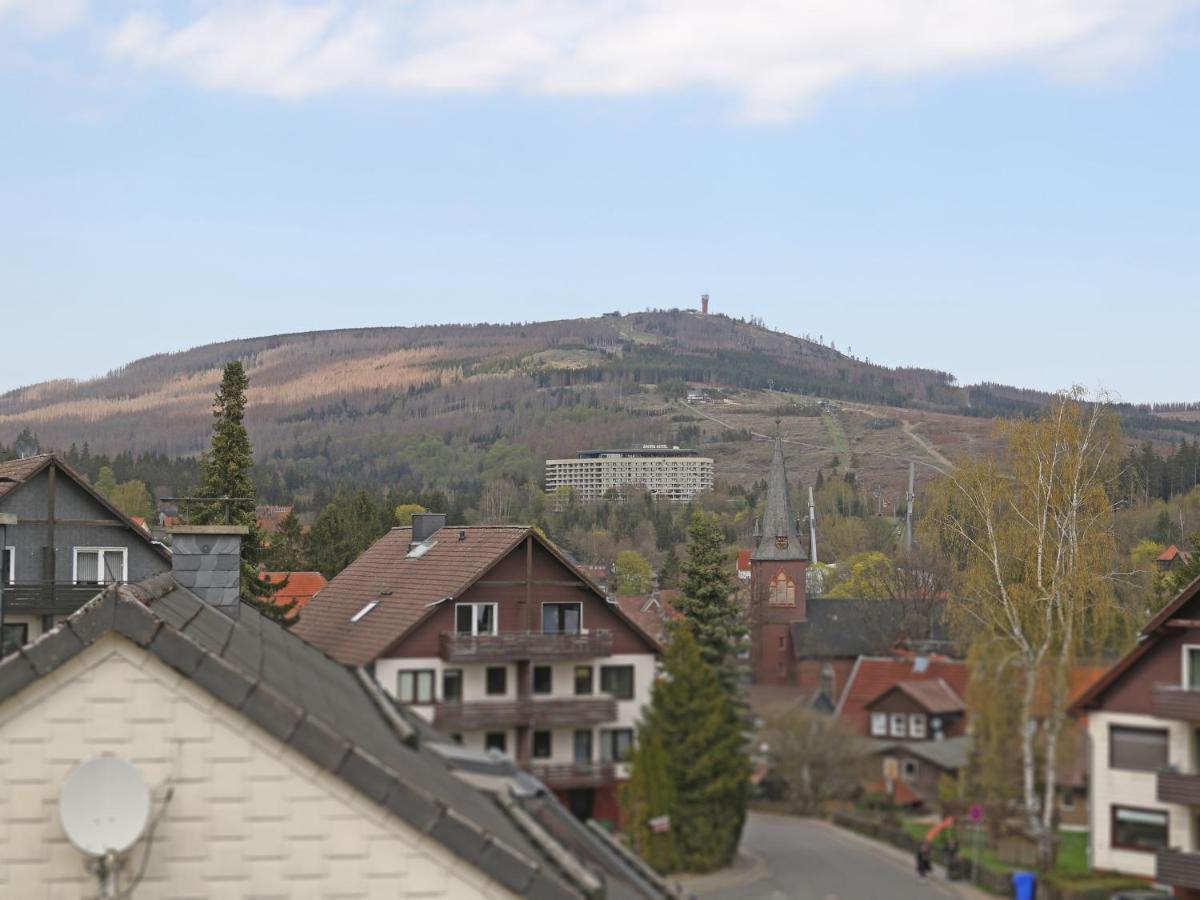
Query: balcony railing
[[44, 598], [1174, 787], [566, 711], [574, 775], [1178, 869], [1170, 701], [512, 645]]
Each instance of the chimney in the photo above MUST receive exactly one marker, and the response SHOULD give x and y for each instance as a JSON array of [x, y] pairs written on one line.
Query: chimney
[[704, 304], [426, 525], [207, 560]]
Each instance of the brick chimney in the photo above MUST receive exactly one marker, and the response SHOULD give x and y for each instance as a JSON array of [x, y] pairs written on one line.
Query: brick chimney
[[207, 560]]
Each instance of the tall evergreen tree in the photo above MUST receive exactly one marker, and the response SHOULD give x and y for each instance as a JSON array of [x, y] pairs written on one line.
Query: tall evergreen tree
[[285, 553], [225, 473], [693, 719], [708, 603], [650, 794]]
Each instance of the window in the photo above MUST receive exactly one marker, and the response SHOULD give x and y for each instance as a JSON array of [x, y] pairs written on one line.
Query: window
[[543, 679], [475, 618], [543, 745], [1066, 800], [583, 679], [100, 565], [1139, 829], [497, 681], [879, 724], [782, 591], [1141, 749], [583, 746], [899, 721], [414, 686], [908, 770], [916, 726], [618, 681], [615, 744], [562, 618], [1191, 668], [14, 637], [496, 740], [451, 685], [8, 565], [370, 605], [456, 736]]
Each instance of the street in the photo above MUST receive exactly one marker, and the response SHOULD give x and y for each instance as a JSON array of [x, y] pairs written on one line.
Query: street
[[811, 860]]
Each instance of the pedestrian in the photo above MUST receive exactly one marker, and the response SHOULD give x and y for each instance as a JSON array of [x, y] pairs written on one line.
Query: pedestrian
[[950, 848], [923, 859]]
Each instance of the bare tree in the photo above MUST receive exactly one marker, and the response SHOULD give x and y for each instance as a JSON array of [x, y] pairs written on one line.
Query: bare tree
[[816, 756]]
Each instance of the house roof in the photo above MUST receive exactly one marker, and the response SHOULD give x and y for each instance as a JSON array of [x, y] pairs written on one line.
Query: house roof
[[848, 628], [1169, 555], [778, 520], [408, 587], [268, 517], [337, 717], [18, 472], [902, 793], [652, 613], [301, 586], [872, 676], [933, 695], [949, 755], [743, 560]]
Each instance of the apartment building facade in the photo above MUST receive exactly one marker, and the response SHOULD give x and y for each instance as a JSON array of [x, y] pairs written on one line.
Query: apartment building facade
[[670, 473], [490, 634]]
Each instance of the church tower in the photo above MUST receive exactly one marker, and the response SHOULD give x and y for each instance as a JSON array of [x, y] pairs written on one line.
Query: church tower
[[777, 570]]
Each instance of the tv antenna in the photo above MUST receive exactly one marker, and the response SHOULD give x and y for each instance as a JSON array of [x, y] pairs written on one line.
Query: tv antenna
[[104, 808]]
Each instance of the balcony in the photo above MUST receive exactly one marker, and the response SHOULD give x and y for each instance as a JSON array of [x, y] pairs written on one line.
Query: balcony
[[1176, 788], [1178, 869], [44, 598], [514, 645], [1170, 701], [566, 711], [574, 775]]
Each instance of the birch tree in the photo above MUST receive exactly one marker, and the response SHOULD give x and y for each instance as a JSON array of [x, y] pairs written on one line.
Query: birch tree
[[1031, 528]]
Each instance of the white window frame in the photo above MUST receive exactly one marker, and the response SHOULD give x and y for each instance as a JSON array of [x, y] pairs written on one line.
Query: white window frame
[[898, 725], [475, 619], [103, 551], [916, 726], [879, 724], [1185, 664], [11, 553]]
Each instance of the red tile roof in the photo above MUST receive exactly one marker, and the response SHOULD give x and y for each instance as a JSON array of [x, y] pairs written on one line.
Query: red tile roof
[[300, 586], [933, 695], [743, 560], [873, 676], [269, 517], [651, 613]]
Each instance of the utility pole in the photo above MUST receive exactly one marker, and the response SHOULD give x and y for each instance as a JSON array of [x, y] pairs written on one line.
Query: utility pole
[[812, 526], [909, 497]]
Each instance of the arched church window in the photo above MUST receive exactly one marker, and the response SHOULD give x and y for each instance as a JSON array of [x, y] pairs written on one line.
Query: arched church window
[[783, 591]]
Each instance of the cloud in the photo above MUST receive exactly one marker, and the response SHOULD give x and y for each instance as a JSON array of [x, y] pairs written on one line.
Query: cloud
[[43, 15], [774, 56]]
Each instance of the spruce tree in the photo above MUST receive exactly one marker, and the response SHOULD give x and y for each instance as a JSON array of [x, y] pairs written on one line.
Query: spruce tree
[[649, 794], [693, 719], [708, 603], [225, 473]]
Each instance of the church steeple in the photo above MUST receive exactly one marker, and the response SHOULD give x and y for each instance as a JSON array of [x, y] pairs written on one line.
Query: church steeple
[[779, 533]]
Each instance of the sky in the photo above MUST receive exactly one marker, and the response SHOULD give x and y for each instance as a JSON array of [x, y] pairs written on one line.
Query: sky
[[1005, 191]]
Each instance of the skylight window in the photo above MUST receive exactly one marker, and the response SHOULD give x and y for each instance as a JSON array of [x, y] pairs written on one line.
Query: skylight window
[[362, 612], [421, 549]]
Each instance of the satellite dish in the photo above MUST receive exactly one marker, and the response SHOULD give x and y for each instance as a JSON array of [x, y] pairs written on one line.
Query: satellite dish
[[104, 806]]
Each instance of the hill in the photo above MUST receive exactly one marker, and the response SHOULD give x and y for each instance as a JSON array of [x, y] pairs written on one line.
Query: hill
[[444, 406]]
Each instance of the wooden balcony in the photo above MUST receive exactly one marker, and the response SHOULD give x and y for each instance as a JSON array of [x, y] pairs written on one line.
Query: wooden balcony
[[561, 712], [515, 645], [1176, 788], [574, 775], [1170, 701], [1178, 869], [44, 598]]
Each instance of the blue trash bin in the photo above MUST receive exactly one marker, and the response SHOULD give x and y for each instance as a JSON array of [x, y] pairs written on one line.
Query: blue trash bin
[[1024, 885]]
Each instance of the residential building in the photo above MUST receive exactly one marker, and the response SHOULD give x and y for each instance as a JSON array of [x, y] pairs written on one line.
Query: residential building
[[913, 770], [1143, 724], [666, 472], [59, 539], [905, 700], [1172, 558], [490, 633], [273, 769]]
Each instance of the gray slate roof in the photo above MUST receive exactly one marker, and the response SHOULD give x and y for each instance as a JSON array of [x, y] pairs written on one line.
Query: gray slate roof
[[950, 754], [778, 519], [335, 716], [834, 627]]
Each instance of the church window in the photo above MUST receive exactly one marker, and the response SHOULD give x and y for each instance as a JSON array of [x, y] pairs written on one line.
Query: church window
[[782, 591]]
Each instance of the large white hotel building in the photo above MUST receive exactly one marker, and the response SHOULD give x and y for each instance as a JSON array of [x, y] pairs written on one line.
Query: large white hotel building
[[667, 472]]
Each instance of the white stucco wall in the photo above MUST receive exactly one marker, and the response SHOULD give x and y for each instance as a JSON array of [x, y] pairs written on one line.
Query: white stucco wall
[[1122, 787], [250, 816]]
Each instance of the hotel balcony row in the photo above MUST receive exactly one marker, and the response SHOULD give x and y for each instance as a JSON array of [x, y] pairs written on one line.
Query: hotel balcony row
[[533, 645], [561, 712]]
